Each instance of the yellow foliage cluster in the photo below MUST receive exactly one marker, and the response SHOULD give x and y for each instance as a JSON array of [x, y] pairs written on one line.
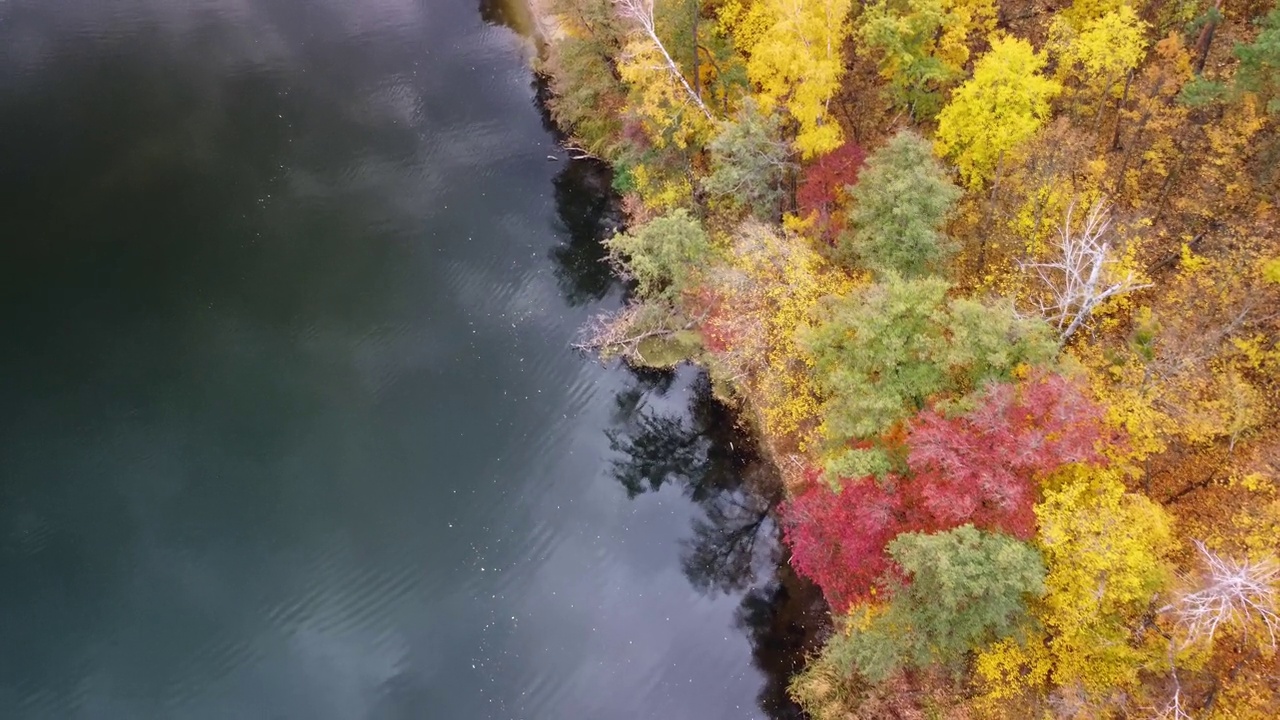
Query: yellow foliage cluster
[[796, 62], [1105, 551], [773, 281], [668, 116], [1001, 106]]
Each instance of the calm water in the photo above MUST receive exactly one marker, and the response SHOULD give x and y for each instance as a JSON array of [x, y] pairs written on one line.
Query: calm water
[[290, 427]]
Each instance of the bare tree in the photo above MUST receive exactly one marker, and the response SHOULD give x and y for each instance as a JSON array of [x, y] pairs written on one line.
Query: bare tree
[[1083, 275], [1175, 709], [1239, 593], [641, 11]]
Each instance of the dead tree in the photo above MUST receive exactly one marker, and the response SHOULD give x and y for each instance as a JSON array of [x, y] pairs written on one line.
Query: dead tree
[[1082, 274], [641, 12], [1236, 593]]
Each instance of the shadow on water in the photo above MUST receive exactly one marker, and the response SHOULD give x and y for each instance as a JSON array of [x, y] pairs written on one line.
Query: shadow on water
[[734, 546]]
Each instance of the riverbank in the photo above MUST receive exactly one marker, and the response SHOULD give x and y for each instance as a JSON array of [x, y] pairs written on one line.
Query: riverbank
[[969, 356]]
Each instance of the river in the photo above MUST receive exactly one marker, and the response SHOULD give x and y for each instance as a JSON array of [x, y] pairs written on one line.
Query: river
[[291, 427]]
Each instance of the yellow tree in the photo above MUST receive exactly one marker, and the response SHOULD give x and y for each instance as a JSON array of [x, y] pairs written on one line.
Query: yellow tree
[[796, 62], [1003, 104], [1105, 551], [1102, 51]]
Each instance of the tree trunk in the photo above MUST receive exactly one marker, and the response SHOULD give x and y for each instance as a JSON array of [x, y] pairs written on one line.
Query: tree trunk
[[697, 76], [1206, 36], [1124, 98]]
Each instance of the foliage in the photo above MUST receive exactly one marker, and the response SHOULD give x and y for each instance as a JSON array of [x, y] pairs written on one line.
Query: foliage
[[822, 193], [749, 162], [587, 97], [982, 466], [960, 589], [662, 255], [923, 45], [1259, 71], [1000, 107], [659, 99], [838, 536], [1103, 50], [978, 468], [898, 208], [905, 411], [1105, 551], [880, 353], [797, 63], [755, 303]]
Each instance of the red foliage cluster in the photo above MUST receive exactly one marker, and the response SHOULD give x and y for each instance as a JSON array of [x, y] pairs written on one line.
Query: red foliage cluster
[[821, 190], [838, 539], [718, 329], [980, 468]]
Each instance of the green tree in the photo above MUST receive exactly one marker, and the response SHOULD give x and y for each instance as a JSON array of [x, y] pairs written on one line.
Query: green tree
[[662, 255], [587, 95], [899, 204], [881, 352], [1003, 104], [1259, 71], [964, 588], [749, 162], [923, 45]]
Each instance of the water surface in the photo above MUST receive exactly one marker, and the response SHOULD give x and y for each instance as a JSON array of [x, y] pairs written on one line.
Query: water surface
[[290, 427]]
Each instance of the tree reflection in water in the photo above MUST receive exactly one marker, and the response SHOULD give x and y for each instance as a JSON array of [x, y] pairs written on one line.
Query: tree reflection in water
[[734, 546]]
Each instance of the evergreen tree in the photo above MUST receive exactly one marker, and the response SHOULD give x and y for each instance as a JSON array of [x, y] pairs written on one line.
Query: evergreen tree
[[899, 205]]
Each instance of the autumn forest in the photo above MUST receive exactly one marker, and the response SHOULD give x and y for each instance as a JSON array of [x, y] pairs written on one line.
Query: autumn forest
[[997, 286]]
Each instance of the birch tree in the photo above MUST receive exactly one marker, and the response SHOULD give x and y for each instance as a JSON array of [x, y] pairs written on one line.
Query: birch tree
[[1084, 272]]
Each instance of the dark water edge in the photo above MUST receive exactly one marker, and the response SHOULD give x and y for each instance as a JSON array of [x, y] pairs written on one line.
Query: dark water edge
[[704, 450], [737, 546]]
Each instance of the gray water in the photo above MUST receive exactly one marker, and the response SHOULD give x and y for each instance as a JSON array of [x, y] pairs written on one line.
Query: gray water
[[289, 422]]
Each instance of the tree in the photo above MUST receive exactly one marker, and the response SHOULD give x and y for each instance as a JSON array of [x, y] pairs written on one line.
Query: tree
[[587, 96], [822, 193], [838, 537], [979, 468], [960, 589], [662, 255], [1002, 105], [755, 303], [1102, 51], [1084, 272], [797, 63], [880, 353], [923, 45], [749, 162], [1105, 551], [898, 208], [1259, 71], [641, 13], [984, 466], [1239, 595]]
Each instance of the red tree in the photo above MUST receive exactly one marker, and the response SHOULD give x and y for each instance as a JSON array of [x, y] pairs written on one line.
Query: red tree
[[838, 539], [980, 467], [821, 190]]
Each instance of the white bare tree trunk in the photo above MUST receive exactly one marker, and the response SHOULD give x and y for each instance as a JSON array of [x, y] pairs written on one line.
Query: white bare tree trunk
[[1081, 277], [1239, 594], [641, 11]]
